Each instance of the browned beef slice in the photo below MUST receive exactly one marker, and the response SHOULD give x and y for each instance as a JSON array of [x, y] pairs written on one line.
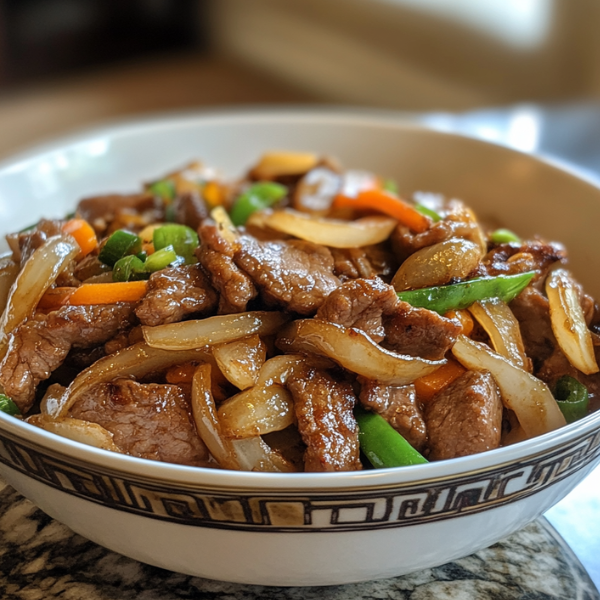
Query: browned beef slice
[[216, 256], [293, 274], [532, 310], [147, 420], [419, 332], [175, 293], [533, 255], [366, 263], [398, 406], [465, 417], [40, 345], [360, 303], [190, 209], [105, 208], [326, 422], [24, 244]]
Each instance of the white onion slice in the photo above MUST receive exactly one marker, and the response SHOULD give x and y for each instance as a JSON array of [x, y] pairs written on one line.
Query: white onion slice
[[568, 322], [38, 274], [135, 361], [254, 454], [213, 330], [207, 423], [529, 398], [331, 232], [256, 411], [240, 361], [277, 369], [500, 324], [77, 430], [437, 265], [355, 351]]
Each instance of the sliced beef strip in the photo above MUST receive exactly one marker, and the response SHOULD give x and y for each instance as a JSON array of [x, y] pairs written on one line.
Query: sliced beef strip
[[215, 255], [365, 263], [419, 332], [24, 244], [511, 259], [326, 422], [290, 274], [360, 303], [150, 421], [175, 293], [465, 417], [39, 346], [398, 406], [190, 209]]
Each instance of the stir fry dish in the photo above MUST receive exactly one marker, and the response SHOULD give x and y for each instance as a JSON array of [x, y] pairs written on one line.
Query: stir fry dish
[[301, 318]]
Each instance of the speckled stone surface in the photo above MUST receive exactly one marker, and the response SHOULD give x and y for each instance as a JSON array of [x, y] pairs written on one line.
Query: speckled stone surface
[[42, 559]]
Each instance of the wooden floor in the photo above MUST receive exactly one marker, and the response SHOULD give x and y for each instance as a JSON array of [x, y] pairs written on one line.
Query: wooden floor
[[182, 82]]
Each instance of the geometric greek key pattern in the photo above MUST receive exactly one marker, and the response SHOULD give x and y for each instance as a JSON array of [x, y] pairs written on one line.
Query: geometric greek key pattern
[[396, 506]]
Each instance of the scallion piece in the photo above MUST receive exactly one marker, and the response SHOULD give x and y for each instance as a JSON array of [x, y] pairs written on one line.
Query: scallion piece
[[119, 244], [257, 197], [8, 406], [443, 298], [382, 444], [129, 268], [504, 236], [428, 212], [184, 240], [572, 398], [161, 259]]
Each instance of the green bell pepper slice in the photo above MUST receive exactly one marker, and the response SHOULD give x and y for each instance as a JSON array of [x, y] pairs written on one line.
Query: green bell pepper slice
[[183, 239], [161, 259], [443, 298], [129, 268], [504, 236], [572, 398], [382, 444], [257, 197], [8, 406], [119, 244]]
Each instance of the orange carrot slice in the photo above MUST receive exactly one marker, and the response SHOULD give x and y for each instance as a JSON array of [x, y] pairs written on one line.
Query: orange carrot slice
[[429, 385], [84, 234], [108, 293]]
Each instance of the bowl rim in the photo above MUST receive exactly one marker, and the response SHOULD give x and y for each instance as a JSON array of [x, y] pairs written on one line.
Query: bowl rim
[[198, 476]]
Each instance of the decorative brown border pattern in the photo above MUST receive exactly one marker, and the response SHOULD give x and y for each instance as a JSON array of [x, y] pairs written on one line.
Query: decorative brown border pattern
[[279, 511]]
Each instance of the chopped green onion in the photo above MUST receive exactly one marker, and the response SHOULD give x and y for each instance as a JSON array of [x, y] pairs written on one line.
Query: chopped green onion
[[428, 212], [119, 244], [461, 295], [165, 189], [389, 185], [129, 268], [572, 398], [8, 406], [161, 259], [504, 236], [382, 444], [257, 197], [183, 239]]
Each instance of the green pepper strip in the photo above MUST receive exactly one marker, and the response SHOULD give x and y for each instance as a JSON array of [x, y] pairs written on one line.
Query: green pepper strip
[[428, 213], [389, 185], [183, 239], [504, 236], [572, 398], [119, 244], [8, 406], [382, 444], [257, 197], [461, 295], [162, 259], [165, 189], [129, 268]]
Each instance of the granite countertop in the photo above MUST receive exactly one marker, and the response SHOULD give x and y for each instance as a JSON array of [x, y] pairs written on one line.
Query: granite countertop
[[42, 559]]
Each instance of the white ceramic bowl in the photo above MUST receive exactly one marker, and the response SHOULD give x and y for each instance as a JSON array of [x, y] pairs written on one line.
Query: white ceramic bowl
[[302, 529]]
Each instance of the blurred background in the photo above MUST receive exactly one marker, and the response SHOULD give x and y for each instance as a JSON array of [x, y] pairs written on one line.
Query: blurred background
[[525, 73]]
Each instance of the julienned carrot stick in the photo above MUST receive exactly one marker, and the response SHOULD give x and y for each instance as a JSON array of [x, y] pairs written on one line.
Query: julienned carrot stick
[[429, 385], [388, 204], [84, 234], [108, 293]]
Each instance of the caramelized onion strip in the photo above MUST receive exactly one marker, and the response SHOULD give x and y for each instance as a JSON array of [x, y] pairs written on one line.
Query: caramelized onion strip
[[137, 361], [568, 322], [213, 330], [355, 351], [503, 328], [529, 398], [254, 454], [240, 361], [331, 232]]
